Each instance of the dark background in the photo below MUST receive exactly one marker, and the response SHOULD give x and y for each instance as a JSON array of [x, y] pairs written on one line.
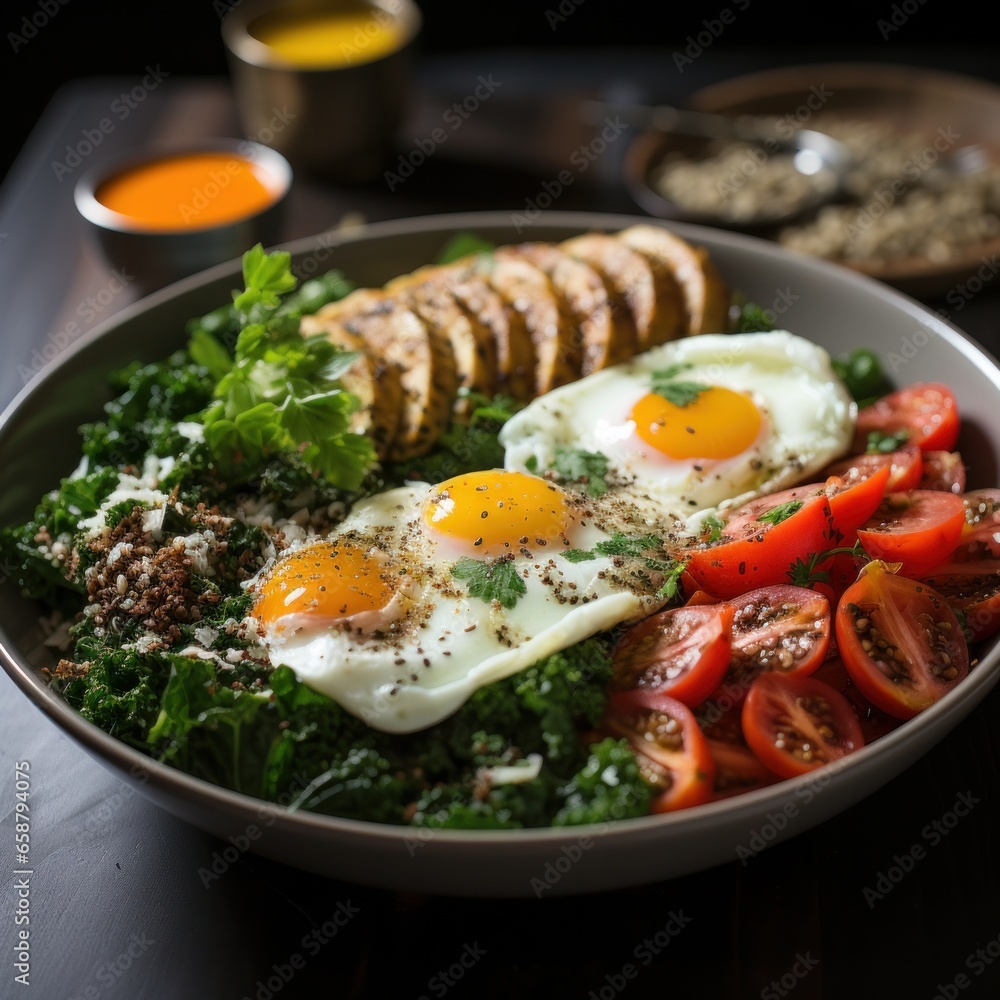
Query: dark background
[[120, 37]]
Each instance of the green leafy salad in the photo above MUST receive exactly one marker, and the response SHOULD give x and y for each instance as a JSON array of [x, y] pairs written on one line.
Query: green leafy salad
[[147, 547]]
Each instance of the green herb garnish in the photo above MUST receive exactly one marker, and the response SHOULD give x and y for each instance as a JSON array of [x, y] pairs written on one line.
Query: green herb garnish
[[780, 513], [586, 470], [679, 392], [636, 547], [278, 392], [491, 580], [883, 444]]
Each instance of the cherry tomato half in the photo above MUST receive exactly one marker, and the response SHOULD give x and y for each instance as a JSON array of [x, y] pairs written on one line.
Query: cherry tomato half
[[782, 628], [670, 747], [906, 467], [683, 652], [982, 522], [737, 769], [926, 412], [972, 590], [943, 470], [761, 543], [900, 641], [796, 724], [919, 528], [855, 498]]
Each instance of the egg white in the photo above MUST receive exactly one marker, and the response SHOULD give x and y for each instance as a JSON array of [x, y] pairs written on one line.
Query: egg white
[[807, 420]]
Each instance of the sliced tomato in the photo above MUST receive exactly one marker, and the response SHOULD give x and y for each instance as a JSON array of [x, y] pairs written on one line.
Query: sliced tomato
[[683, 652], [972, 590], [943, 470], [873, 721], [796, 724], [918, 528], [737, 769], [982, 522], [855, 498], [672, 751], [900, 641], [906, 467], [926, 412], [781, 628], [761, 543], [701, 597]]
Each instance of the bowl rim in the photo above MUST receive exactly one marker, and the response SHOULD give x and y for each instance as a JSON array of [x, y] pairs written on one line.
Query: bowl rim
[[272, 163], [128, 762], [247, 48]]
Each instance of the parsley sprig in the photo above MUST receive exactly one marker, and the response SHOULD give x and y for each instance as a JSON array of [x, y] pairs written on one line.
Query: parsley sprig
[[491, 580], [585, 471], [680, 392], [278, 391], [636, 547], [780, 513]]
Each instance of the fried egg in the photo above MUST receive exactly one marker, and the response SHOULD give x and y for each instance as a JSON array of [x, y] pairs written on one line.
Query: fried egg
[[426, 593], [697, 423]]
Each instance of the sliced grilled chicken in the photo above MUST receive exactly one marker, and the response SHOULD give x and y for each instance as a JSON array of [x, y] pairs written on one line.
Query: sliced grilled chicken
[[528, 291], [645, 293], [706, 297], [429, 294], [421, 354], [468, 280], [585, 304]]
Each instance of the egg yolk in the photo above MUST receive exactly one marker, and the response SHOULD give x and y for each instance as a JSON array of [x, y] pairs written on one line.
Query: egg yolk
[[329, 579], [490, 513], [718, 423]]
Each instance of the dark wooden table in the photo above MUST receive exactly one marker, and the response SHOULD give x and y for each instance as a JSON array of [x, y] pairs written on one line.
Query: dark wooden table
[[117, 905]]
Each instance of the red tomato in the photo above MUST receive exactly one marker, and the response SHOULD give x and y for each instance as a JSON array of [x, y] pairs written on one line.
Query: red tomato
[[873, 721], [796, 724], [737, 769], [919, 528], [900, 641], [982, 522], [761, 543], [699, 598], [672, 751], [683, 652], [854, 499], [943, 470], [926, 412], [781, 628], [972, 590], [906, 467]]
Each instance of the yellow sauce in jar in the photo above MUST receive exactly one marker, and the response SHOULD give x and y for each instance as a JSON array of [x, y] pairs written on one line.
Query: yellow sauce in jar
[[188, 191], [322, 39]]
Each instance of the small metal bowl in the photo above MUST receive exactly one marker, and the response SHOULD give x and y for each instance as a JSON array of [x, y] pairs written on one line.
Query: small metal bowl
[[158, 257], [812, 176], [335, 120]]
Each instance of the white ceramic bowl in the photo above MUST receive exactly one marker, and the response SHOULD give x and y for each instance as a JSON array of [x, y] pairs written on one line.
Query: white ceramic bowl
[[832, 306]]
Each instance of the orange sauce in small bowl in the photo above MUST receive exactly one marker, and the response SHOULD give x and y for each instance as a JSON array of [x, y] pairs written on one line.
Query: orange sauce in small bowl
[[189, 191]]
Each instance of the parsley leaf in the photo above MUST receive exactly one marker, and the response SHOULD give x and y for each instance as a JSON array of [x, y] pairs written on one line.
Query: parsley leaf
[[713, 524], [882, 444], [278, 392], [496, 580], [679, 392], [620, 544], [780, 513], [584, 469], [754, 319]]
